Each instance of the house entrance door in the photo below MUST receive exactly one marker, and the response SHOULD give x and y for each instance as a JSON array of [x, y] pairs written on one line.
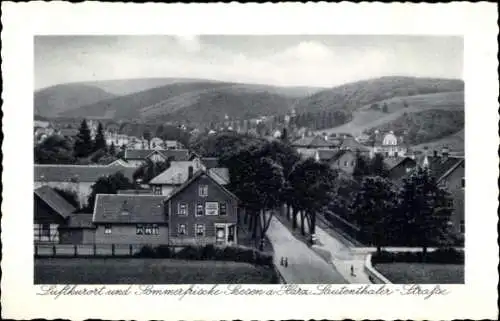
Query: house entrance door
[[220, 234]]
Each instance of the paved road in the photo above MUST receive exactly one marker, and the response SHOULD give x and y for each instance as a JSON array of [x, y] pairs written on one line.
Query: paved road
[[304, 265], [342, 257]]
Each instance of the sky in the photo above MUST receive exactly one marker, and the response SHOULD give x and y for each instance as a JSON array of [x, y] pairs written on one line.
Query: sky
[[320, 61]]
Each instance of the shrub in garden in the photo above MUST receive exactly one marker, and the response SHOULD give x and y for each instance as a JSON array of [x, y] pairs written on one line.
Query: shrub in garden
[[164, 251], [146, 252]]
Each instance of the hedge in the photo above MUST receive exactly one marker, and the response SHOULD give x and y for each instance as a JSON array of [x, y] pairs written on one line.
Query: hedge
[[207, 252], [439, 256]]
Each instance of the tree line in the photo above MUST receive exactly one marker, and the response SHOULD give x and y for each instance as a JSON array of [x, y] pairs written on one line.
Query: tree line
[[82, 149]]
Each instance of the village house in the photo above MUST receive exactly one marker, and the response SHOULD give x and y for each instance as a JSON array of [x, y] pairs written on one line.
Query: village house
[[344, 160], [179, 172], [389, 145], [42, 130], [307, 146], [130, 219], [51, 211], [202, 211], [399, 167], [138, 156], [116, 139], [121, 163], [76, 178]]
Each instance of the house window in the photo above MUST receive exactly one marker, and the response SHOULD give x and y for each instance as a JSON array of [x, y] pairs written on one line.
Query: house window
[[395, 154], [211, 208], [462, 226], [183, 209], [352, 163], [107, 229], [223, 209], [200, 230], [450, 203], [463, 182], [148, 229], [199, 209], [156, 229], [181, 229], [157, 190], [139, 229], [203, 190]]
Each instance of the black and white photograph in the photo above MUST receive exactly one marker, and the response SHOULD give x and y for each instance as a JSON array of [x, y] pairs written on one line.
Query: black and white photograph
[[238, 161], [249, 159]]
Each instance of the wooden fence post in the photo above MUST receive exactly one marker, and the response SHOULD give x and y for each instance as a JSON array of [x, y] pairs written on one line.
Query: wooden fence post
[[36, 250], [54, 250], [112, 250], [95, 250], [130, 249], [76, 251]]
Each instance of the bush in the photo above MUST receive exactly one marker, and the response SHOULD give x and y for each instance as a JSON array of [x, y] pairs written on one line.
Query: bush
[[439, 256], [164, 251], [208, 252], [146, 252]]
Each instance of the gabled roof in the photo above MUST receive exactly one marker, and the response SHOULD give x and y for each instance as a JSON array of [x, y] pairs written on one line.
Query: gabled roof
[[176, 174], [79, 220], [326, 154], [352, 144], [142, 154], [55, 201], [220, 174], [78, 173], [392, 162], [441, 167], [121, 162], [341, 153], [196, 176], [114, 208]]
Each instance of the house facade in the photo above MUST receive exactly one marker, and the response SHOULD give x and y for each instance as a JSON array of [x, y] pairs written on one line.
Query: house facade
[[78, 229], [202, 211], [51, 211], [344, 160]]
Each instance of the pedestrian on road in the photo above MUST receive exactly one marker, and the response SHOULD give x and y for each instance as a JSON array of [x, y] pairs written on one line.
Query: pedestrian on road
[[286, 261], [352, 271], [282, 261]]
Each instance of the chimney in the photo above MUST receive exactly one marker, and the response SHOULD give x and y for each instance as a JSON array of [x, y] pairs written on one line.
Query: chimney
[[190, 172], [435, 153]]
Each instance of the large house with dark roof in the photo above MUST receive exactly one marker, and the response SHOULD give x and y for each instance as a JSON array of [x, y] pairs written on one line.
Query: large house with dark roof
[[77, 178], [200, 211], [51, 211], [130, 219], [307, 146], [139, 156]]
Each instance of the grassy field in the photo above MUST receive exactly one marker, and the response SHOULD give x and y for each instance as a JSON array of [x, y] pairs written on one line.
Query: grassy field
[[147, 271], [365, 117], [407, 273]]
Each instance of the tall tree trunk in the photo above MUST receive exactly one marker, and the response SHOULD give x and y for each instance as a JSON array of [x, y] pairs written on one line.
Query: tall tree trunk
[[302, 219], [312, 223], [294, 218], [288, 209], [245, 216], [255, 223]]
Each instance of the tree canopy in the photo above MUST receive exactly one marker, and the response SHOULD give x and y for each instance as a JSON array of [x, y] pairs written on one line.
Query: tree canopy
[[108, 185]]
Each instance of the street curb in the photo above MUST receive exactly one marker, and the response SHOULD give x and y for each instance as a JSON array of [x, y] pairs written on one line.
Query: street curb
[[377, 277]]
